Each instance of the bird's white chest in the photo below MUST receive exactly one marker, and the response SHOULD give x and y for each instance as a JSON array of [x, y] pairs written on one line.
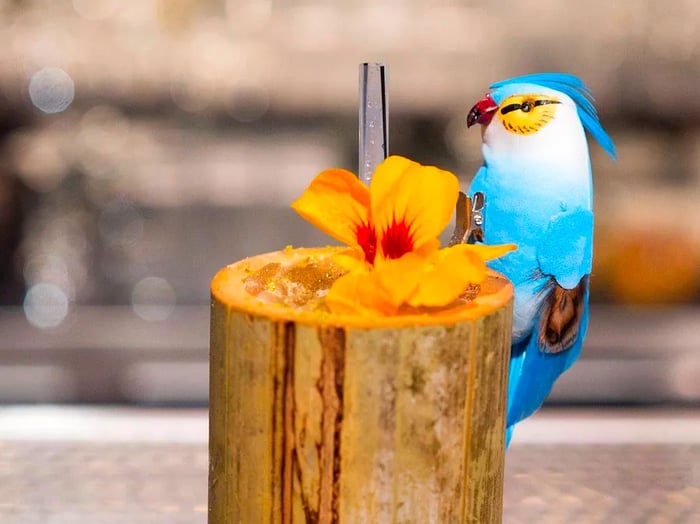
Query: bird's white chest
[[551, 166]]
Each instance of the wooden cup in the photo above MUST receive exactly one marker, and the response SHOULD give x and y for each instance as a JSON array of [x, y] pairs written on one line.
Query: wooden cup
[[321, 418]]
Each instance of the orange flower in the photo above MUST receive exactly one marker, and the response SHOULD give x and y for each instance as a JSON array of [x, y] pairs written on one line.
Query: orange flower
[[392, 230]]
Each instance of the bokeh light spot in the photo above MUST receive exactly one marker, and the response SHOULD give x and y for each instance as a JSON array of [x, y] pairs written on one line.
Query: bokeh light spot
[[187, 97], [51, 90], [153, 299], [45, 305], [249, 104]]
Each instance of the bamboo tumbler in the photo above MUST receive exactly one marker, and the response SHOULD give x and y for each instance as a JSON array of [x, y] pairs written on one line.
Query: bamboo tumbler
[[322, 418]]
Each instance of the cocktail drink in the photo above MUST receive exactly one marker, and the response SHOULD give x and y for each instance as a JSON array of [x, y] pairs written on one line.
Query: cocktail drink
[[324, 417]]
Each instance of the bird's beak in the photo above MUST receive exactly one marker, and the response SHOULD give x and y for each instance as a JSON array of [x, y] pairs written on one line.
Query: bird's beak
[[482, 112]]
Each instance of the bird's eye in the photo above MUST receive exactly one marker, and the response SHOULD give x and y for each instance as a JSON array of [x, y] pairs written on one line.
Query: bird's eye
[[527, 113]]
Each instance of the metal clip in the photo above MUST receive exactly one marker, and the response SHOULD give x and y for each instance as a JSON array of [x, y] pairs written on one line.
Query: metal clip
[[476, 222], [469, 226]]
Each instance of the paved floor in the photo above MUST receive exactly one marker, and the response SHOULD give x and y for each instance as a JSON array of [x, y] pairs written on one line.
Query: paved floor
[[82, 465]]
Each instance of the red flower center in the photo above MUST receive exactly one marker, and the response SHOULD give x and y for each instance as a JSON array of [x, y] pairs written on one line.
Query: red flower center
[[397, 240], [367, 239]]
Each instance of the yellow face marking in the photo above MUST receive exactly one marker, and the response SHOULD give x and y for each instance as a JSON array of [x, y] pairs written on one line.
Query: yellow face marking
[[527, 114]]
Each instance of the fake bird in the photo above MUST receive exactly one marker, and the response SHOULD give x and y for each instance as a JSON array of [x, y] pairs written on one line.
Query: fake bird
[[536, 177]]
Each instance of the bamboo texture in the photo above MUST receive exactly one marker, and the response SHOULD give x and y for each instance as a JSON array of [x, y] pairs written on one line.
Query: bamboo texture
[[317, 423]]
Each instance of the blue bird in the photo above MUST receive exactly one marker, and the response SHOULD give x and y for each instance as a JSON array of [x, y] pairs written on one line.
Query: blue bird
[[537, 180]]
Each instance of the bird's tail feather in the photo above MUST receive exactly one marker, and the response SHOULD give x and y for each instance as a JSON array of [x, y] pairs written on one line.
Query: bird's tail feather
[[509, 435]]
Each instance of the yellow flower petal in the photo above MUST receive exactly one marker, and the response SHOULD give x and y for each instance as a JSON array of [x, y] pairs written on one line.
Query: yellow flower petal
[[428, 248], [405, 192], [446, 279], [400, 278], [351, 259], [358, 293], [485, 252], [336, 202]]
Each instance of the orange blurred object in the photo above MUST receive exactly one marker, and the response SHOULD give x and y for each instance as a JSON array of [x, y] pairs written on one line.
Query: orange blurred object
[[635, 266]]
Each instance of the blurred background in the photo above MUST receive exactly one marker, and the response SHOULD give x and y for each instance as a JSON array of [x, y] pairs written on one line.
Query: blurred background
[[145, 144]]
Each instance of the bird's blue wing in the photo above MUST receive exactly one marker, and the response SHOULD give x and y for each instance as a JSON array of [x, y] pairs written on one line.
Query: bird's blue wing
[[556, 336]]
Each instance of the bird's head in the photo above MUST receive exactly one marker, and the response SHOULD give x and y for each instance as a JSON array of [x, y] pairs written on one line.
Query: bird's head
[[534, 114]]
